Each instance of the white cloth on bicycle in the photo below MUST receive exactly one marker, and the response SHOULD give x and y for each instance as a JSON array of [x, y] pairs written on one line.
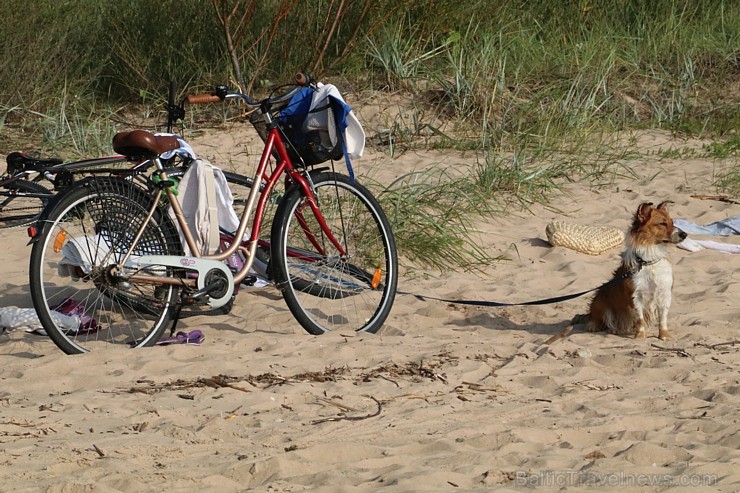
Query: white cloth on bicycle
[[197, 197], [80, 253], [227, 218], [207, 203], [184, 148], [354, 135]]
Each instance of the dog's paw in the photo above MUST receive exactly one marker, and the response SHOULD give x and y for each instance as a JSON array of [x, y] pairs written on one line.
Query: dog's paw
[[664, 335], [640, 334]]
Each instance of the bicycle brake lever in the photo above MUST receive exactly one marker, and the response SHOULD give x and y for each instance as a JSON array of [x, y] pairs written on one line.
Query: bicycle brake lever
[[221, 91], [175, 113]]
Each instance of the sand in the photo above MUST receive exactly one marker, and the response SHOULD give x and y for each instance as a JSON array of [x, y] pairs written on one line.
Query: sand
[[444, 398]]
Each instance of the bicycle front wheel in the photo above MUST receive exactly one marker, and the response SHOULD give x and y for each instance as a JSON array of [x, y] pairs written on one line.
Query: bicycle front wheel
[[326, 288], [81, 282]]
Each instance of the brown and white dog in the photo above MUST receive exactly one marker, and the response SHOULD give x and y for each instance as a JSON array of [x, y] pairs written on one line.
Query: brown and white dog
[[643, 297]]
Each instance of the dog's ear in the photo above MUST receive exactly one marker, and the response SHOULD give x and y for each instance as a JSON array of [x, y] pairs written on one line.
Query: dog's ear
[[643, 212], [663, 206]]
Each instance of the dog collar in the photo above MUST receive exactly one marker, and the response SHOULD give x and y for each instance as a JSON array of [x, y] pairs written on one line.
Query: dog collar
[[642, 263]]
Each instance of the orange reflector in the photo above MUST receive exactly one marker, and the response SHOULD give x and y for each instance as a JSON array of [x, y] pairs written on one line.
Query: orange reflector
[[59, 241], [376, 278]]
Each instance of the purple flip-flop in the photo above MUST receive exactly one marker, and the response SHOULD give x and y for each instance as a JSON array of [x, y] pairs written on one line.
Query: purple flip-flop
[[193, 337], [71, 307]]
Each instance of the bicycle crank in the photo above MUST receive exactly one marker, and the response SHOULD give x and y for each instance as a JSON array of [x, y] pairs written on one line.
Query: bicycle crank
[[215, 280]]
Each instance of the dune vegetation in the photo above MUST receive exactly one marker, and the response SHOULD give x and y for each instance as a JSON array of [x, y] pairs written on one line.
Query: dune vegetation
[[545, 92]]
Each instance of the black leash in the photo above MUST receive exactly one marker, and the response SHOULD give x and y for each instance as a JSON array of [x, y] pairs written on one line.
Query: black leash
[[640, 264]]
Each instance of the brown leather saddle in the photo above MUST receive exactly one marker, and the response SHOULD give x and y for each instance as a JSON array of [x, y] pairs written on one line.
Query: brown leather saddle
[[142, 144]]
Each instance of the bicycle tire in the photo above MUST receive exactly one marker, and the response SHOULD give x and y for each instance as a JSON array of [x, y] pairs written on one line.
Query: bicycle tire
[[325, 291], [88, 231], [21, 203]]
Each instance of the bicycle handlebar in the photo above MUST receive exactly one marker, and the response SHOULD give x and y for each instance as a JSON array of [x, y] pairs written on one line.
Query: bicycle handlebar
[[303, 79], [202, 98], [221, 93]]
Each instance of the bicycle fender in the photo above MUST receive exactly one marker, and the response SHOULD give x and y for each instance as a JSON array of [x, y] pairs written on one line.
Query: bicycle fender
[[293, 186]]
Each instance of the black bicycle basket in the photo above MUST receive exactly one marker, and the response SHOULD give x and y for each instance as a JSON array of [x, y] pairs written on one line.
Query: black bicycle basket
[[311, 146]]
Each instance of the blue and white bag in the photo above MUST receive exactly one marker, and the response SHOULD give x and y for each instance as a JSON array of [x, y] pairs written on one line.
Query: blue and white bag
[[321, 126]]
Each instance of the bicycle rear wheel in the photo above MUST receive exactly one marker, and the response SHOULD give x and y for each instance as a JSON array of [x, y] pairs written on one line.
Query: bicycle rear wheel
[[80, 300], [21, 203], [324, 289]]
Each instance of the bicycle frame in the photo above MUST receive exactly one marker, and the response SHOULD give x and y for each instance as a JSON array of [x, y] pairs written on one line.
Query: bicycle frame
[[284, 166]]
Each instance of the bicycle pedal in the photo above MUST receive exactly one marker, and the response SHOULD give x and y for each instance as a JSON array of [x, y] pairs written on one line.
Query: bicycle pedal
[[202, 296], [249, 281], [191, 300], [194, 298]]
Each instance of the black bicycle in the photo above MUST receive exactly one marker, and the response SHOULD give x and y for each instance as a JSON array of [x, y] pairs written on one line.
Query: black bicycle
[[30, 182]]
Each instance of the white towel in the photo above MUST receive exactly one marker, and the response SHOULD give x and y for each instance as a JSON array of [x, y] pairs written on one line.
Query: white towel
[[12, 317], [696, 245]]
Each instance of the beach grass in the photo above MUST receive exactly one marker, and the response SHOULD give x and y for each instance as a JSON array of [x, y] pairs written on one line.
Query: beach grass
[[542, 93]]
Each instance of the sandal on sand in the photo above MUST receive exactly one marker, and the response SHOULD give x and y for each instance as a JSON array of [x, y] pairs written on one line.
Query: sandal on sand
[[72, 307], [193, 337]]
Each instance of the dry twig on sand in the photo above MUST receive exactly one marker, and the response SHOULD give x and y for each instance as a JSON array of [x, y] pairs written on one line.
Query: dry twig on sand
[[679, 351], [351, 418], [721, 198], [719, 344], [560, 335]]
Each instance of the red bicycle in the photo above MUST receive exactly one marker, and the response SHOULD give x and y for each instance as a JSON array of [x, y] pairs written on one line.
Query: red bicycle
[[107, 264]]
